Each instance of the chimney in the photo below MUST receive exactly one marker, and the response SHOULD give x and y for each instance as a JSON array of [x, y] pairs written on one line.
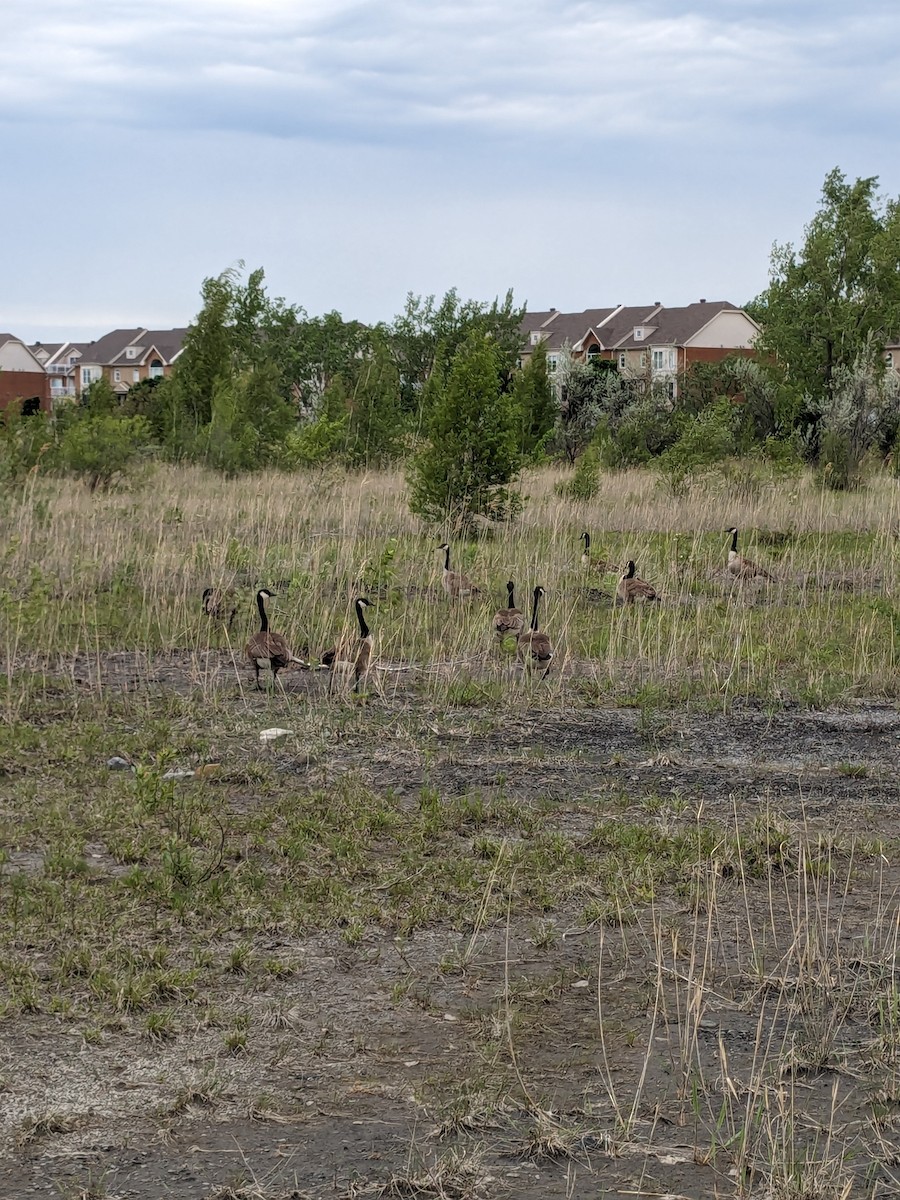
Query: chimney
[[702, 299]]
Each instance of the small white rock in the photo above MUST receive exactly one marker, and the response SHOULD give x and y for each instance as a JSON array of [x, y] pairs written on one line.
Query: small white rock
[[117, 763], [271, 735]]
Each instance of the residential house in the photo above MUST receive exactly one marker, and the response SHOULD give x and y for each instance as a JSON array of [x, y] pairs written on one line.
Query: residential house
[[60, 361], [648, 343], [123, 358], [23, 381], [559, 330], [150, 354]]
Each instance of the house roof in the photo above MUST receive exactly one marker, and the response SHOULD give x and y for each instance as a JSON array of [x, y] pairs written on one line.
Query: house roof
[[168, 342], [107, 349], [676, 326], [7, 338], [622, 322], [58, 360], [534, 320], [614, 327], [571, 328], [51, 348]]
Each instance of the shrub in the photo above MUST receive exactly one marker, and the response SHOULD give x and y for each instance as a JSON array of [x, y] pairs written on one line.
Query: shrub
[[102, 448], [471, 457], [24, 442], [585, 481], [705, 441]]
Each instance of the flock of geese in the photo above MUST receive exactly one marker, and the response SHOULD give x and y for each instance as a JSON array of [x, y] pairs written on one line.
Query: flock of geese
[[349, 660]]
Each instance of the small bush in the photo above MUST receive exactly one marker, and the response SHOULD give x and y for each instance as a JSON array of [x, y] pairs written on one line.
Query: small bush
[[102, 448], [585, 481], [839, 466], [24, 443], [707, 440]]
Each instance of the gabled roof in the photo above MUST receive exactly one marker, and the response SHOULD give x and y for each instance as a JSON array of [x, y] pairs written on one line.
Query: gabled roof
[[107, 349], [49, 349], [168, 343], [572, 328], [534, 320], [676, 326], [622, 322], [7, 338], [614, 327], [59, 360], [162, 343]]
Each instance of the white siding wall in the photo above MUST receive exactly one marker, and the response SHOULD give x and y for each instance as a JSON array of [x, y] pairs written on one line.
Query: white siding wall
[[16, 357], [731, 329]]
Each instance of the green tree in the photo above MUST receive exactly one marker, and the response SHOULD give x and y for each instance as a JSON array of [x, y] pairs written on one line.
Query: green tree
[[314, 351], [250, 421], [238, 331], [832, 304], [535, 398], [376, 423], [426, 337], [472, 452]]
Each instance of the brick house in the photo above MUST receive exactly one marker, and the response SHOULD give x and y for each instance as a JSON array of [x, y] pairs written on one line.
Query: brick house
[[649, 342], [123, 358], [23, 381]]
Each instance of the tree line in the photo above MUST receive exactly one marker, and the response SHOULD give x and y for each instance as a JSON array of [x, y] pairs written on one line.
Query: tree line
[[442, 389]]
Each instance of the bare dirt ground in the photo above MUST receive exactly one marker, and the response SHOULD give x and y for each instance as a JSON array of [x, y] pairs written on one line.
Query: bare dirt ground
[[565, 1057]]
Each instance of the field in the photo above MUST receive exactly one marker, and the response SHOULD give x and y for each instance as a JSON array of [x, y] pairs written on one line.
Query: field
[[631, 930]]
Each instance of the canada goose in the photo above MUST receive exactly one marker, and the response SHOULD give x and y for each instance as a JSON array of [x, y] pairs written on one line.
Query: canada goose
[[455, 584], [351, 657], [219, 601], [740, 567], [532, 646], [509, 621], [267, 649], [631, 588], [599, 564]]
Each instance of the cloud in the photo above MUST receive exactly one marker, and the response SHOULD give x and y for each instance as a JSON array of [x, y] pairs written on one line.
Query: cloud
[[390, 70], [582, 151]]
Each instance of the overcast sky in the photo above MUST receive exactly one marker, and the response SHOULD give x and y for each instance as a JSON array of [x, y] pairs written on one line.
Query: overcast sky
[[581, 153]]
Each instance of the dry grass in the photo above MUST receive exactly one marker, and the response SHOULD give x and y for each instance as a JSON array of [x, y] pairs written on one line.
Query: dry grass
[[89, 574]]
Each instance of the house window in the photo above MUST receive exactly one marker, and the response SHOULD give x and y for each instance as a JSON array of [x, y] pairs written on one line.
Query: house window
[[638, 333], [552, 360], [671, 360], [889, 358], [643, 360], [658, 359], [670, 389], [156, 368], [117, 376], [135, 375], [535, 336], [87, 376], [622, 361], [131, 351]]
